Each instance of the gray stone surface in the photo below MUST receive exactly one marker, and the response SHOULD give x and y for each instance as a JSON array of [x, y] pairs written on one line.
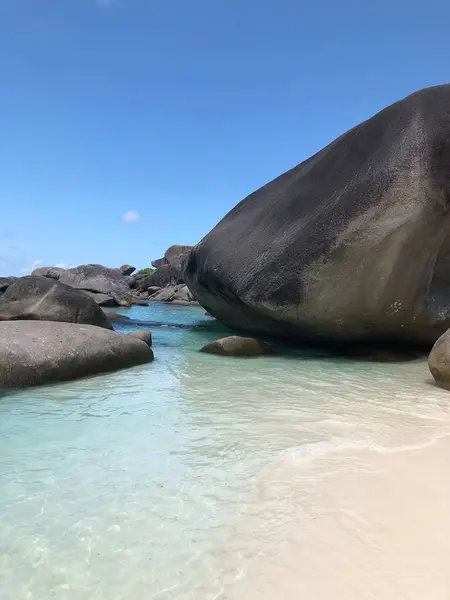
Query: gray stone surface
[[351, 245], [40, 352], [439, 361], [235, 345], [40, 298], [144, 335], [100, 279], [100, 299], [127, 269]]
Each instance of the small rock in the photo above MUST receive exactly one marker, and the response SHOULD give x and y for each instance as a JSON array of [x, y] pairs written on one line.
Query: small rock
[[439, 361], [127, 269], [235, 345], [141, 334]]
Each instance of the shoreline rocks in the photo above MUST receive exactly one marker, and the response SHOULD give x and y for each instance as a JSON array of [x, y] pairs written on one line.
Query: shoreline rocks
[[41, 352], [39, 298]]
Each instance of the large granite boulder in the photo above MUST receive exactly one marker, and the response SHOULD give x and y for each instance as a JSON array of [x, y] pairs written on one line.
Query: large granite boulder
[[99, 279], [43, 299], [39, 352], [352, 244]]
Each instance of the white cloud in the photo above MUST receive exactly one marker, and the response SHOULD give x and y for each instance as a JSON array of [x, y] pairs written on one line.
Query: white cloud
[[131, 216], [63, 265], [29, 268]]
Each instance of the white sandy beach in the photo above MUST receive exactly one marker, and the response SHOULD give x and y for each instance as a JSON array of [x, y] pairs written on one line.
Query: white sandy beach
[[372, 525]]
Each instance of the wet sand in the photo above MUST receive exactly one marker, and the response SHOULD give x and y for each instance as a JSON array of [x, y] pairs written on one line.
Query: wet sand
[[371, 525]]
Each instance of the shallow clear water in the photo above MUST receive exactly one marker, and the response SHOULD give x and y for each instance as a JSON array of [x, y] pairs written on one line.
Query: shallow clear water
[[153, 483]]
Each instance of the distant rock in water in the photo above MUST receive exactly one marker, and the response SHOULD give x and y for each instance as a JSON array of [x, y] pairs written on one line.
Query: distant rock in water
[[39, 352], [351, 245], [235, 345], [43, 299]]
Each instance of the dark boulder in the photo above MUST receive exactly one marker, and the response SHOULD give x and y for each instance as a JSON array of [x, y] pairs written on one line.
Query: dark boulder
[[40, 352], [127, 269], [134, 279], [351, 245], [43, 299], [50, 272], [154, 289], [114, 317], [170, 268], [137, 300], [5, 282], [171, 254], [100, 299], [235, 345], [100, 279], [144, 335], [166, 294]]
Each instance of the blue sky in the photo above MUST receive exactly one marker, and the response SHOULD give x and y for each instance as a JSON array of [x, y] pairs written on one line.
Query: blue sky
[[172, 111]]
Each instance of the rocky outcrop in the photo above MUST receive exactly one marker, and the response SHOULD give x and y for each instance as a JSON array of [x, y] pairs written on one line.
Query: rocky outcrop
[[100, 299], [127, 270], [175, 294], [43, 299], [39, 352], [170, 268], [235, 345], [439, 361], [93, 278], [351, 245]]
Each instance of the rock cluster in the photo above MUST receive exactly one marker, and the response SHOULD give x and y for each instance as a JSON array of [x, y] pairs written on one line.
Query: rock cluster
[[50, 332]]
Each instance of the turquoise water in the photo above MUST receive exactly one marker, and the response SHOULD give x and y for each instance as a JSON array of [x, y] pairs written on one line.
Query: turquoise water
[[150, 483]]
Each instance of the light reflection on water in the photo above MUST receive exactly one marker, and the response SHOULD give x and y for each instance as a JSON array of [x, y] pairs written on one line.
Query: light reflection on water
[[131, 485]]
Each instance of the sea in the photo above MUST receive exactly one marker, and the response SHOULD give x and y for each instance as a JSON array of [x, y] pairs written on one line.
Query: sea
[[297, 476]]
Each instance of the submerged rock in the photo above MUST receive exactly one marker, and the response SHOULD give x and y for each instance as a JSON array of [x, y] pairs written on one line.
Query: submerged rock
[[145, 336], [235, 345], [114, 317], [439, 361], [43, 299], [351, 245], [39, 352]]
